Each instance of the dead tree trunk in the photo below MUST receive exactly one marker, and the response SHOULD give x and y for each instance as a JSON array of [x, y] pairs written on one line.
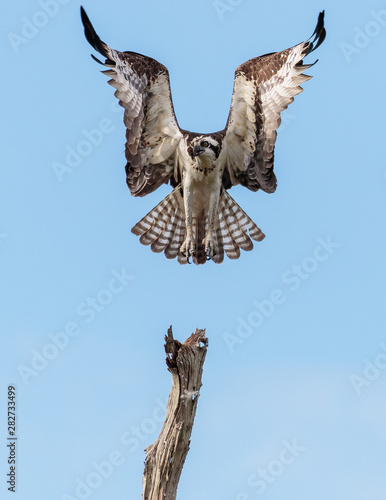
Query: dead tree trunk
[[165, 458]]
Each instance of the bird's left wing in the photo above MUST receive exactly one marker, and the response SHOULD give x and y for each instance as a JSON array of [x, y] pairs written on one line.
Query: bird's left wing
[[152, 132], [263, 88]]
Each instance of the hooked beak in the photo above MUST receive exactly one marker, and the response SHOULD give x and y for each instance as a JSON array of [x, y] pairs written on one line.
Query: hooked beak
[[198, 150]]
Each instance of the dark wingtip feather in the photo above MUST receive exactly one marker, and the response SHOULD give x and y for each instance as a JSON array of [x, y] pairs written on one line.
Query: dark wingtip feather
[[97, 60], [319, 34], [91, 36]]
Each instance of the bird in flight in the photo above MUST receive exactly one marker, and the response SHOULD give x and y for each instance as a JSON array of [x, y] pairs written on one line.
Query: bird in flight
[[199, 220]]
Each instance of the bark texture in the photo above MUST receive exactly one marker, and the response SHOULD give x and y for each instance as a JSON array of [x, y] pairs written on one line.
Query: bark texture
[[165, 458]]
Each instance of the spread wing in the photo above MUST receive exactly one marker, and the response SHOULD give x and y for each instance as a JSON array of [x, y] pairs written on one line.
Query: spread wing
[[263, 88], [152, 132]]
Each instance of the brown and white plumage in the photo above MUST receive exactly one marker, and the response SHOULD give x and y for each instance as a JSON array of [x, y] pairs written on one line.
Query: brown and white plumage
[[163, 228], [199, 219]]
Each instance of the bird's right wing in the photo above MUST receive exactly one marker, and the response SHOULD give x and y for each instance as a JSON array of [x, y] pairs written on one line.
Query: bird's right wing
[[152, 132]]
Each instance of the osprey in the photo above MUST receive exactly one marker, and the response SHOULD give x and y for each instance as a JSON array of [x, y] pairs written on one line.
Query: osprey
[[199, 219]]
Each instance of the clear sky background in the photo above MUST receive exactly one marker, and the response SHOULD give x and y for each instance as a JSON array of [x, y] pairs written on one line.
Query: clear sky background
[[293, 398]]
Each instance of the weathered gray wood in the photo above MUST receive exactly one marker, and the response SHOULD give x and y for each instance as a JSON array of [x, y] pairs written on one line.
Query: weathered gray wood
[[165, 458]]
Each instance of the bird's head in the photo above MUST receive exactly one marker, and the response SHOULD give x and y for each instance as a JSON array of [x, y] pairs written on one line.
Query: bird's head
[[205, 147]]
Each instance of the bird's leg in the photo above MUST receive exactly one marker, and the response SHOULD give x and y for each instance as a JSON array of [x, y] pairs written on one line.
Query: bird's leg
[[209, 242], [188, 247]]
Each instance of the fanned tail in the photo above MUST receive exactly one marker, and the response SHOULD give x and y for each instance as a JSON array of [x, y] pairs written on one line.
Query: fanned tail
[[164, 229]]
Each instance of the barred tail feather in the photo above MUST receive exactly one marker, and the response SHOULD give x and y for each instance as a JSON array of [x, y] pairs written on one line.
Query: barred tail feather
[[231, 249], [219, 257], [166, 236], [173, 249], [163, 228], [236, 227]]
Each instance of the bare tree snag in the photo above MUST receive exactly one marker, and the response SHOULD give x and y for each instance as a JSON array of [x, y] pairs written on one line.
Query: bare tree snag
[[165, 458]]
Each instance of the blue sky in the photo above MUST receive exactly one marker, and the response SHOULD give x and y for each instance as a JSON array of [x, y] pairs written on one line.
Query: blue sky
[[293, 401]]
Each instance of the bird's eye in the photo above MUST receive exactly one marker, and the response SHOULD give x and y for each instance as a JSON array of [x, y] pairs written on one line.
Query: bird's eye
[[205, 144]]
